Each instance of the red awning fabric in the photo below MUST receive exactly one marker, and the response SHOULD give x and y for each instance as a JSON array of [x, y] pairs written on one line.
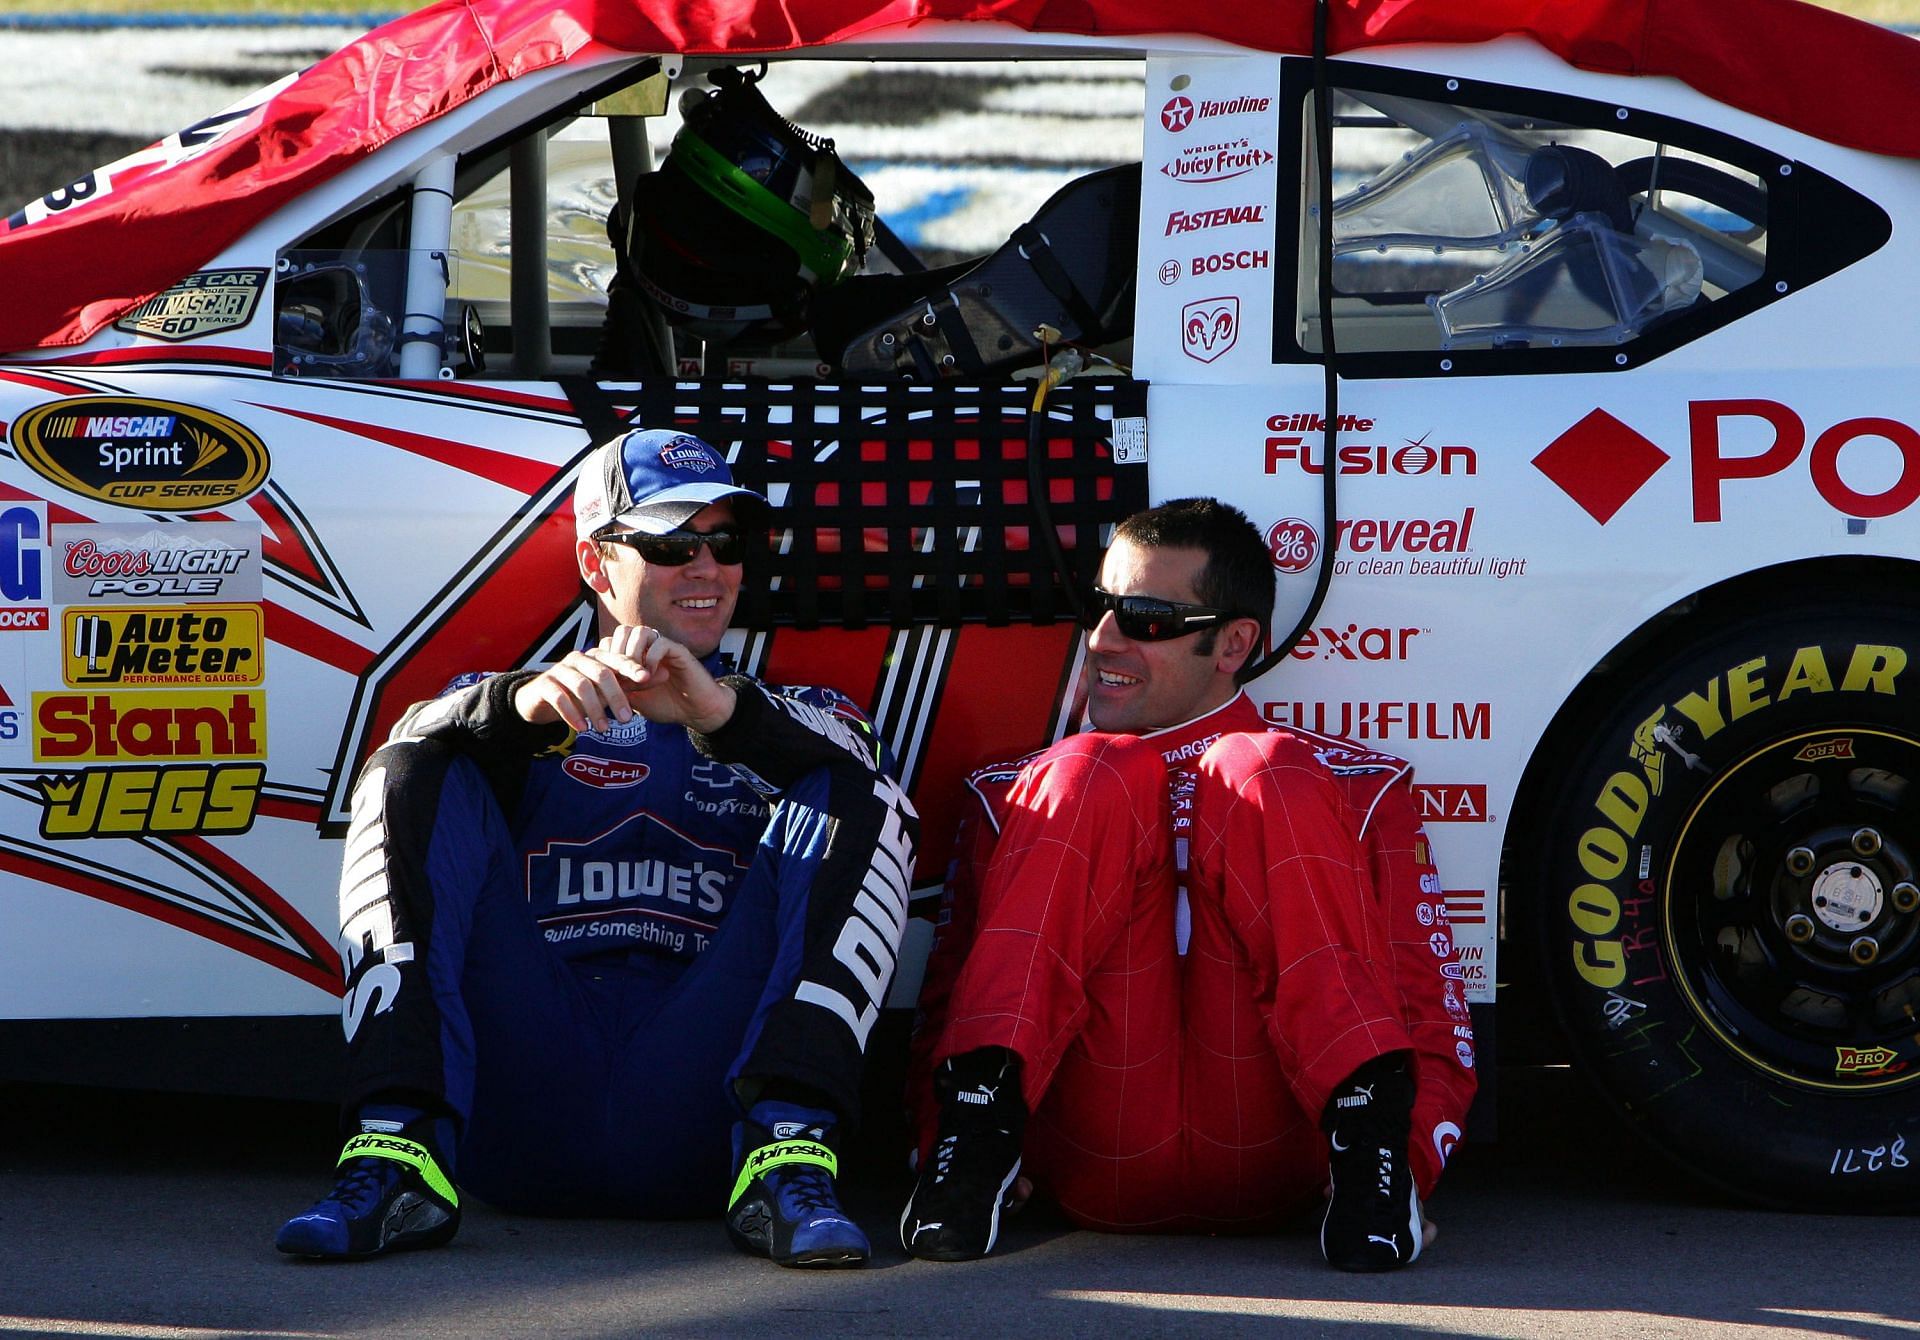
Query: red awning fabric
[[72, 272]]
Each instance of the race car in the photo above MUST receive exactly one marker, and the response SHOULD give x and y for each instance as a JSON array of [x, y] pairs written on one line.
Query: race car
[[1557, 351]]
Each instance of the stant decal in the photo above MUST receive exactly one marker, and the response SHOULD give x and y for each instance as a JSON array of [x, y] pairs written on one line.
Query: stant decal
[[153, 455], [135, 645], [138, 802], [148, 562], [103, 728], [1209, 327], [198, 306]]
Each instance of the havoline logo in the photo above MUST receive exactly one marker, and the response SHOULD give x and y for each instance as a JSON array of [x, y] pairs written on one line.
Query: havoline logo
[[147, 454]]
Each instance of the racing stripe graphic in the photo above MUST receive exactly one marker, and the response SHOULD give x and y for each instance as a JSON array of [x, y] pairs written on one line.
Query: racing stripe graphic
[[220, 900], [514, 601], [500, 467]]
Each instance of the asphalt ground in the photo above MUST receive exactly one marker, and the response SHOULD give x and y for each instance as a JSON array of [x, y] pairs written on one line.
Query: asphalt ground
[[139, 1215]]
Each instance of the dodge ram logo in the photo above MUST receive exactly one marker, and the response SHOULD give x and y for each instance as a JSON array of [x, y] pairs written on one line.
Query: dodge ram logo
[[1209, 327]]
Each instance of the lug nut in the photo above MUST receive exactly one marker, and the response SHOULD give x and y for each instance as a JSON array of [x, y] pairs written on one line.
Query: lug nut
[[1866, 841], [1799, 928], [1800, 862], [1905, 897], [1864, 950]]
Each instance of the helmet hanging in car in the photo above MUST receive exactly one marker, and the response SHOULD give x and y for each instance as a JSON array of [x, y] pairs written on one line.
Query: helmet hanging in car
[[748, 216]]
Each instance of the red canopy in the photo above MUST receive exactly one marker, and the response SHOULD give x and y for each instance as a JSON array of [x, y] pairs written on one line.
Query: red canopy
[[74, 271]]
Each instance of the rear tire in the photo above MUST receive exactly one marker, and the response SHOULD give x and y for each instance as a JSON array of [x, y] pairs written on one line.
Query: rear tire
[[1732, 905]]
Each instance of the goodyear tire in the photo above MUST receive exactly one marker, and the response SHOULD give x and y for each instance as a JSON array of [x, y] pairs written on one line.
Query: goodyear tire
[[1733, 908]]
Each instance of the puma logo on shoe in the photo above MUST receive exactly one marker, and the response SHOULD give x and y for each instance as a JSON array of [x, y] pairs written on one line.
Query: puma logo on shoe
[[1360, 1097], [981, 1097], [1392, 1241]]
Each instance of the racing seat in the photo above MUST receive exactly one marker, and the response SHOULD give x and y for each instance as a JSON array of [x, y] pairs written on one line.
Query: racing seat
[[1070, 267]]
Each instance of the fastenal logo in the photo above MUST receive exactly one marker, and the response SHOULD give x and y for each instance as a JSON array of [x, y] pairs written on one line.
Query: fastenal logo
[[205, 644], [1209, 327], [149, 454], [200, 305], [1292, 544], [1198, 220]]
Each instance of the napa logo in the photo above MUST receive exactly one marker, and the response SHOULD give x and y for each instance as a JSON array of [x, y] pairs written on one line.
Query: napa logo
[[147, 454]]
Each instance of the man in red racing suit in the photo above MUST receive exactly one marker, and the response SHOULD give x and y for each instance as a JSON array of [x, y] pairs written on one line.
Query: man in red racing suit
[[1192, 970]]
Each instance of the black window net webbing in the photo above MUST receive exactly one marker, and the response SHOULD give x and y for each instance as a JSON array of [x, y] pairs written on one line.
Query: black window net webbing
[[906, 503]]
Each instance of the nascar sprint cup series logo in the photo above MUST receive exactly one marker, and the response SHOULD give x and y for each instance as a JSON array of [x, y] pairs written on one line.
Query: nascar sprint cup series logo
[[150, 454]]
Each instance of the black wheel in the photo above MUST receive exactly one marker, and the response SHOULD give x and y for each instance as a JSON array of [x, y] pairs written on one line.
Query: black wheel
[[1732, 906]]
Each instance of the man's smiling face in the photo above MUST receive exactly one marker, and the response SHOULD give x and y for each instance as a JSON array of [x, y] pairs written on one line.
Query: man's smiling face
[[1136, 687]]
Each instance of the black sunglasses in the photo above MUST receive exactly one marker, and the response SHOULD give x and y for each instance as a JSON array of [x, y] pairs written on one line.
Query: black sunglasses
[[1146, 619], [677, 548]]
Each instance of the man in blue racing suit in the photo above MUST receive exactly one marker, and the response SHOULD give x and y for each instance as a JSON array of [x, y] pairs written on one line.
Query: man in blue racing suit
[[593, 915]]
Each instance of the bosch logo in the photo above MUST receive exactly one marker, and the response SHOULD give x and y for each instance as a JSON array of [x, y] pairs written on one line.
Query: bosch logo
[[1292, 544], [1223, 261], [1170, 272], [605, 773], [1177, 115]]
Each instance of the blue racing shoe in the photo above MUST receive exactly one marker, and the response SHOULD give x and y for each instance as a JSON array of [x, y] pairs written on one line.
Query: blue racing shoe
[[784, 1205], [391, 1196]]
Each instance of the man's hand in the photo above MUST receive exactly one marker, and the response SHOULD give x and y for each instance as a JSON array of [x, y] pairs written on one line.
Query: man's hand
[[634, 669]]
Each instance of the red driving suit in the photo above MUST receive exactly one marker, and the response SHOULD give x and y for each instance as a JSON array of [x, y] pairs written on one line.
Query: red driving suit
[[1173, 1090]]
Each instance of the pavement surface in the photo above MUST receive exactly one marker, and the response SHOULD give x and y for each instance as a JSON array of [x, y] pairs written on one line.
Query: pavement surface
[[131, 1215]]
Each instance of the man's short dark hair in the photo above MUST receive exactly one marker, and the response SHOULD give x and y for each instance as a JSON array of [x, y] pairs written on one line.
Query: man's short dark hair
[[1238, 574]]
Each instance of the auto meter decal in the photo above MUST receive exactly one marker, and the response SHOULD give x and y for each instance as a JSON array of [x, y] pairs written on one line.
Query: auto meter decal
[[153, 455], [162, 645]]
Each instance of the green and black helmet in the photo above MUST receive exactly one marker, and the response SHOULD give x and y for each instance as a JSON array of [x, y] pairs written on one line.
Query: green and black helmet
[[747, 218]]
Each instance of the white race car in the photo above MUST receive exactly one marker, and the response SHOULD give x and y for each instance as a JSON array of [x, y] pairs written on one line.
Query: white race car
[[1559, 355]]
